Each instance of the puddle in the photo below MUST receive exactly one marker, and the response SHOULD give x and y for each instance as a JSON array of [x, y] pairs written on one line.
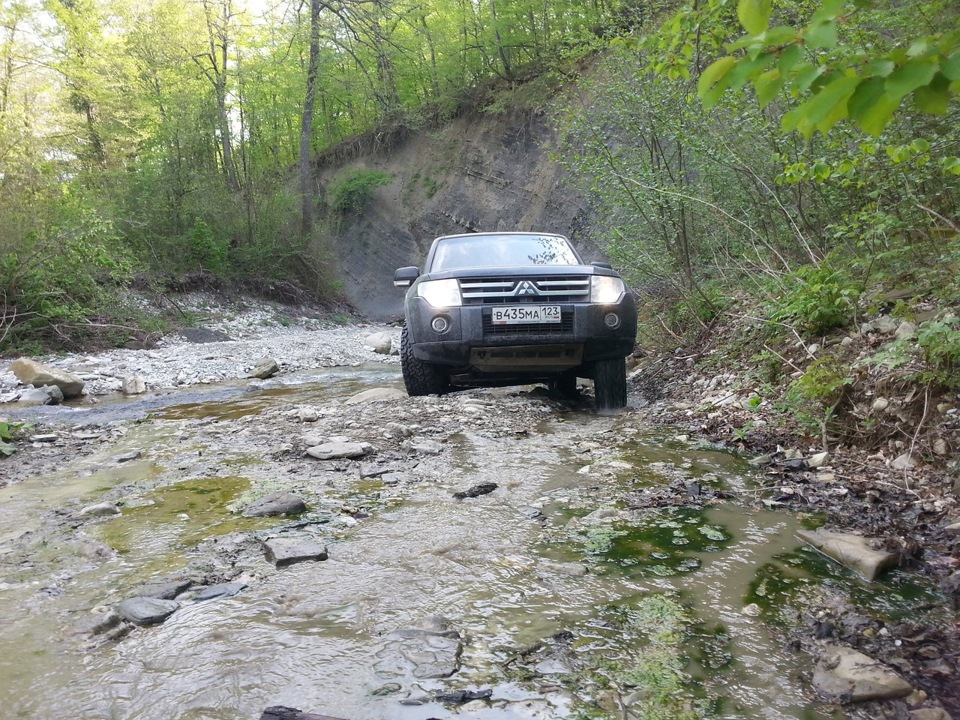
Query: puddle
[[654, 623]]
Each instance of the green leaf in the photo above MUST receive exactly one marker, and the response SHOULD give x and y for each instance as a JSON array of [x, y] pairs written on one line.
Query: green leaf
[[768, 85], [829, 10], [933, 99], [880, 68], [951, 67], [909, 77], [804, 75], [745, 69], [789, 57], [754, 15], [950, 165], [865, 96], [821, 35], [780, 35], [875, 118], [829, 106], [6, 448], [713, 74]]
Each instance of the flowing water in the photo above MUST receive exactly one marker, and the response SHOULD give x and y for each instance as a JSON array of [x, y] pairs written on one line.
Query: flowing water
[[322, 636]]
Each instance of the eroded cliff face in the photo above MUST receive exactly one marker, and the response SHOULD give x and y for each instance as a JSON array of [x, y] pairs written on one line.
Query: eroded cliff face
[[480, 172]]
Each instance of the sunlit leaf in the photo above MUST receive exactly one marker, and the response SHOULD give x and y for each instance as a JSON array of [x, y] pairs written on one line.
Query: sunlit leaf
[[713, 74], [768, 85], [821, 35], [906, 79], [754, 15]]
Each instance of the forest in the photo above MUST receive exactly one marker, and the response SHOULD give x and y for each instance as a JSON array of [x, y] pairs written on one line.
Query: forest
[[795, 152]]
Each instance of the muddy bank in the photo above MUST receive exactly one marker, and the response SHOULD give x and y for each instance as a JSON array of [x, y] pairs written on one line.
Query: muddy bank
[[502, 553]]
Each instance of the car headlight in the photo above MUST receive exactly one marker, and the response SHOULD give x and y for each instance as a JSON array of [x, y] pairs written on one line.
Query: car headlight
[[440, 293], [606, 290]]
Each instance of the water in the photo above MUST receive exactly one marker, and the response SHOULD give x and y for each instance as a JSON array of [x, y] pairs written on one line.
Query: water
[[662, 600]]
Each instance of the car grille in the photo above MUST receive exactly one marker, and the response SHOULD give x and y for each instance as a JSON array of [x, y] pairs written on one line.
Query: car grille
[[564, 326], [553, 289]]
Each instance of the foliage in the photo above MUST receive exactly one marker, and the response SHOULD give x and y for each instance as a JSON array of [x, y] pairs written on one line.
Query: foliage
[[833, 64], [353, 191], [818, 393], [7, 430], [819, 298]]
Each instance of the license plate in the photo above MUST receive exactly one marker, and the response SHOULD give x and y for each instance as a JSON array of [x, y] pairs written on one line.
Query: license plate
[[519, 314]]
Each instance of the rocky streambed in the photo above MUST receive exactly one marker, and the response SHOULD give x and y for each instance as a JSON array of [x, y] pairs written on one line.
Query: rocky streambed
[[317, 540]]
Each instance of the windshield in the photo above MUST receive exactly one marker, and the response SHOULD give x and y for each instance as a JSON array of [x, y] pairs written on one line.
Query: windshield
[[502, 251]]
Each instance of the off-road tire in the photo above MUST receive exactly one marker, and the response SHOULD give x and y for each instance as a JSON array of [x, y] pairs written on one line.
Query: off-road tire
[[610, 383], [420, 378]]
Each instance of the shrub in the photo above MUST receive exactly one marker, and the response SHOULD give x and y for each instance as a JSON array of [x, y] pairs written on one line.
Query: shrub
[[352, 192], [818, 299]]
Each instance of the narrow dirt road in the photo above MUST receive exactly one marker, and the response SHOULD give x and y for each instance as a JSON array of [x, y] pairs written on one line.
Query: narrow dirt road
[[491, 554]]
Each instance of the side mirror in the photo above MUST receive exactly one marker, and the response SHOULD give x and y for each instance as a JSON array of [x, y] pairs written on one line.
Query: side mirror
[[405, 276], [604, 265]]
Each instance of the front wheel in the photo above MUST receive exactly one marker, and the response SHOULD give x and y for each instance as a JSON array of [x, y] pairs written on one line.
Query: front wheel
[[420, 378], [610, 383]]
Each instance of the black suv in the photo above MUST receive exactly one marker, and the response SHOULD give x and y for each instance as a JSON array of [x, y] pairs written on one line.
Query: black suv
[[505, 308]]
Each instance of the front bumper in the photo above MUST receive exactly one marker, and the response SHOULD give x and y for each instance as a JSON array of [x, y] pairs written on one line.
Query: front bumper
[[472, 341]]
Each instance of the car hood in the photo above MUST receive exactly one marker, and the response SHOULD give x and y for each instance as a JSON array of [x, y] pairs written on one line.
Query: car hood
[[520, 271]]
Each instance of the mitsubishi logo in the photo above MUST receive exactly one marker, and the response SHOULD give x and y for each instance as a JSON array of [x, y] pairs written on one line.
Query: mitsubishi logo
[[525, 287]]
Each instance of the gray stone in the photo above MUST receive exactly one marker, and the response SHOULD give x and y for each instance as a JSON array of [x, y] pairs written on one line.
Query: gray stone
[[850, 550], [283, 551], [220, 590], [307, 415], [903, 462], [375, 395], [905, 329], [34, 396], [278, 503], [44, 438], [54, 393], [30, 372], [128, 456], [335, 450], [930, 714], [98, 510], [845, 674], [423, 445], [818, 460], [380, 342], [203, 336], [761, 460], [133, 385], [393, 478], [885, 324], [880, 404], [569, 569], [265, 368], [164, 590], [146, 611], [97, 623]]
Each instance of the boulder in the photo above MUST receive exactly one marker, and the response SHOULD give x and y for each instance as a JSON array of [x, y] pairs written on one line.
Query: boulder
[[845, 674], [133, 385], [163, 590], [30, 372], [379, 342], [265, 368], [850, 550], [220, 590], [283, 551], [375, 395], [98, 510], [337, 450], [147, 611], [274, 504], [35, 396]]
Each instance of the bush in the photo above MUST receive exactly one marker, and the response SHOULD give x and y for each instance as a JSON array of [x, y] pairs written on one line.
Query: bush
[[818, 299], [352, 192]]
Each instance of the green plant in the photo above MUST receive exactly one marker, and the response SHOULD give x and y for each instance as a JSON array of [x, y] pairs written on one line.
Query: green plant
[[354, 190], [819, 298], [7, 430], [815, 396], [939, 341]]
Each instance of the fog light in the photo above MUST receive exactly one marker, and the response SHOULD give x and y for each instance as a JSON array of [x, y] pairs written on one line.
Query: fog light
[[611, 320], [440, 324]]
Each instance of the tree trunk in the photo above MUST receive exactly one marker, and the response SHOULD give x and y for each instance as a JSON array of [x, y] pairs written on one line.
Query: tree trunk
[[306, 126]]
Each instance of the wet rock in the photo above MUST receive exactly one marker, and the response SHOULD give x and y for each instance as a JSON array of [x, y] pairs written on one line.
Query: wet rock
[[164, 590], [274, 504], [847, 675], [54, 393], [146, 611], [97, 623], [850, 550], [133, 385], [336, 450], [375, 395], [751, 610], [476, 491], [818, 460], [393, 478], [432, 656], [423, 445], [264, 369], [461, 697], [98, 510], [94, 550], [380, 342], [387, 689], [283, 551], [220, 590], [44, 438], [761, 460], [128, 456], [34, 396], [30, 372], [570, 569], [281, 712], [930, 714], [798, 465]]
